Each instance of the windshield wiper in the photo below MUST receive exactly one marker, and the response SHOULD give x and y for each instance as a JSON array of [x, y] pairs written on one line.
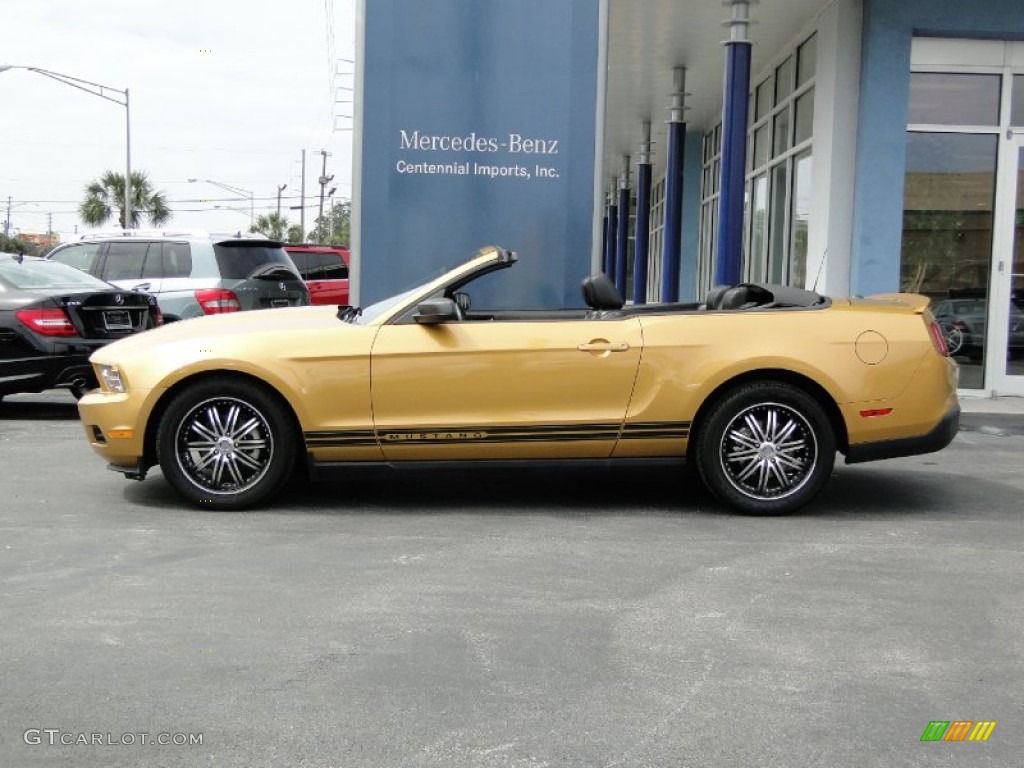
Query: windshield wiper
[[347, 313]]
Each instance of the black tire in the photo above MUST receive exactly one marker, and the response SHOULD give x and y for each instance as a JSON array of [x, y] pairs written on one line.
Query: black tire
[[767, 448], [226, 443]]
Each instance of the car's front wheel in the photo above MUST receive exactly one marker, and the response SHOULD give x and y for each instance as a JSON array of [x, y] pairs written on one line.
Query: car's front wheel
[[226, 443], [767, 448]]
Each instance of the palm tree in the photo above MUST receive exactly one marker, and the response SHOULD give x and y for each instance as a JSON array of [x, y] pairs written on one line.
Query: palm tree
[[273, 225], [106, 195]]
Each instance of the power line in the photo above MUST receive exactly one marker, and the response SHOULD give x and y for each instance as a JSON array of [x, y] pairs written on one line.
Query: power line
[[174, 148]]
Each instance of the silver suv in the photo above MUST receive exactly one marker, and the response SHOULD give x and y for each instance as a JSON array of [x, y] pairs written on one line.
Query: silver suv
[[191, 273]]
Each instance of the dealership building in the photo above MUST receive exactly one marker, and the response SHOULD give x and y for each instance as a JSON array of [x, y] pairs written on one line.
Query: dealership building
[[849, 146]]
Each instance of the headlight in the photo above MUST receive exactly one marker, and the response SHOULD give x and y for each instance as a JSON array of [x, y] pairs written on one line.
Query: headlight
[[111, 379]]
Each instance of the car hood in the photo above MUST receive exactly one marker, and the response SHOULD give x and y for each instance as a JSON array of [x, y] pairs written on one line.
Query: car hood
[[205, 330]]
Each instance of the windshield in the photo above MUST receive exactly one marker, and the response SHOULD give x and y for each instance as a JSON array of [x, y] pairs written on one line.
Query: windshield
[[34, 274], [369, 314], [374, 311]]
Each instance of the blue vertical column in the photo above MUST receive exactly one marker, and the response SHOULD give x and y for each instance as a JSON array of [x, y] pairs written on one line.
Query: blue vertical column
[[671, 251], [729, 253], [641, 240], [604, 240], [613, 228], [622, 237]]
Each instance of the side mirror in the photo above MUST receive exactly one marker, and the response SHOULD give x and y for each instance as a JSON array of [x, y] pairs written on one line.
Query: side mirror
[[434, 311]]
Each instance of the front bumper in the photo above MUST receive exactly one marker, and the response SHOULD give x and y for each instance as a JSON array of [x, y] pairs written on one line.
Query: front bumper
[[115, 425]]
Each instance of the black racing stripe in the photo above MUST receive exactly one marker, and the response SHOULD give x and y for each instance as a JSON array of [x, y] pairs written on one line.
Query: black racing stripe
[[656, 430], [491, 430], [498, 434], [341, 438], [520, 430], [506, 438], [341, 443], [658, 424]]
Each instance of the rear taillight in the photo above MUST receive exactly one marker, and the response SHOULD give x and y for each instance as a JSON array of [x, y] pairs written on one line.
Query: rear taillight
[[158, 315], [215, 301], [938, 340], [47, 322]]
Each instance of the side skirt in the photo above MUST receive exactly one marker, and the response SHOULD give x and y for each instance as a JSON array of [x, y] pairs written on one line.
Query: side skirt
[[325, 470]]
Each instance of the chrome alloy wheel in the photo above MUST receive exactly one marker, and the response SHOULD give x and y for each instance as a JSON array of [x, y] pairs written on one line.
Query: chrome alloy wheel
[[768, 451], [954, 339], [224, 445]]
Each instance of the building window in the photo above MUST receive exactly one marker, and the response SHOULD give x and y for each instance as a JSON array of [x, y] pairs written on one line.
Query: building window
[[1017, 113], [709, 194], [779, 170], [656, 239], [949, 197], [939, 98], [948, 200]]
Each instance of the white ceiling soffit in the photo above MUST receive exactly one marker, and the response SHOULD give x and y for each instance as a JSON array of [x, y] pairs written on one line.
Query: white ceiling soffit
[[648, 38]]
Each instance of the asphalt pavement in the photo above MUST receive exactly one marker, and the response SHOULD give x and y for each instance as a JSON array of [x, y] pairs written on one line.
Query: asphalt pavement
[[556, 618]]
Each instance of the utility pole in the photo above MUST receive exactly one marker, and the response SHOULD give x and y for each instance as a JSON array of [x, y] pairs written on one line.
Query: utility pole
[[7, 221], [280, 189], [324, 181], [302, 211]]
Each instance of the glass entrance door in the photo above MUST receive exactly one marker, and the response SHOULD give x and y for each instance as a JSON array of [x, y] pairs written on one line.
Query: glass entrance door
[[1006, 368]]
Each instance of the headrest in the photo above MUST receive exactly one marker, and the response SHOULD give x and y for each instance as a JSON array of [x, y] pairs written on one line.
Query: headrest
[[734, 298], [599, 292], [714, 298]]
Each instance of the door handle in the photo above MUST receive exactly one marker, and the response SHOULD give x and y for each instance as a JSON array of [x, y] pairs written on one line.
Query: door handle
[[603, 346]]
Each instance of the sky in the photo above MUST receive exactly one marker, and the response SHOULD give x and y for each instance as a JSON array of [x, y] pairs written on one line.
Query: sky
[[226, 90]]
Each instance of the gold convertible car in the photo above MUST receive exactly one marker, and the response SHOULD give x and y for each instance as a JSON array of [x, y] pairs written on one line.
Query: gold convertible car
[[759, 386]]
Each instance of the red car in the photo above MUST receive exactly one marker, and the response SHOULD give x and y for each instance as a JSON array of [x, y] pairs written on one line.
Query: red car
[[325, 270]]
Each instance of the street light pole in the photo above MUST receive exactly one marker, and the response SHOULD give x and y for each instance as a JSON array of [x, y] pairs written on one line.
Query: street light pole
[[128, 217], [110, 94], [237, 191], [280, 189]]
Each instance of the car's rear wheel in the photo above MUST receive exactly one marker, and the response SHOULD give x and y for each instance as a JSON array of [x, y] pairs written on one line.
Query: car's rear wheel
[[767, 448], [226, 443]]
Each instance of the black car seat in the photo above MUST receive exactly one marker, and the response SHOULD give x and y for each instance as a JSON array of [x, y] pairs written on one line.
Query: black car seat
[[601, 295]]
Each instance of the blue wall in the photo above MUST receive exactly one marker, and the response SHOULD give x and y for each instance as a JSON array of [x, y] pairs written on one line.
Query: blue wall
[[452, 87], [889, 26]]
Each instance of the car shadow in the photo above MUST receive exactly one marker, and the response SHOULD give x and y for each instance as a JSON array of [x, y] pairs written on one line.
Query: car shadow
[[45, 407], [852, 492], [569, 490]]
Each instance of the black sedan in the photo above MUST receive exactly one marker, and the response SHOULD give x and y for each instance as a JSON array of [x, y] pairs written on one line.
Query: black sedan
[[52, 317]]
